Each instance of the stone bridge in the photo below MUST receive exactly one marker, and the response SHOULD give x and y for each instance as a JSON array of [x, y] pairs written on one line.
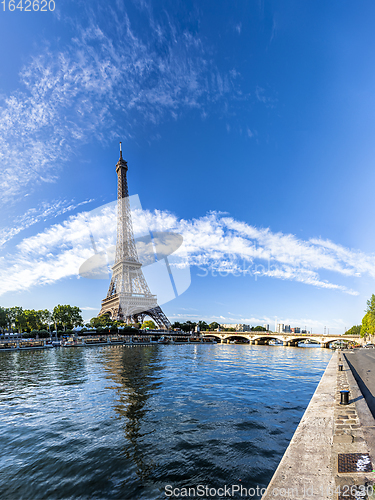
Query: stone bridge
[[288, 339]]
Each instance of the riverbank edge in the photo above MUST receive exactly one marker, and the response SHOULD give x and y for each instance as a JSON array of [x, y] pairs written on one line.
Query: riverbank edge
[[308, 468], [305, 468]]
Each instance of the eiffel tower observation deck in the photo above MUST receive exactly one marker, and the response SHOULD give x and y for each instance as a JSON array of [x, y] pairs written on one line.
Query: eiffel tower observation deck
[[129, 298]]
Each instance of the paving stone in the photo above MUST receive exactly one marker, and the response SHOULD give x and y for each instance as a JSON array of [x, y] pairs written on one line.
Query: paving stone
[[343, 438], [358, 439]]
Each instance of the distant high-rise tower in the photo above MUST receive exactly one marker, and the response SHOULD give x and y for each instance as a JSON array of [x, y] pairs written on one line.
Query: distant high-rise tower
[[129, 298]]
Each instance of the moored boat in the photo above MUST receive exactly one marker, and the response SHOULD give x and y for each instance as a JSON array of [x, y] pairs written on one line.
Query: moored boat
[[8, 346], [117, 340], [164, 340], [94, 341], [31, 344], [209, 340], [71, 342]]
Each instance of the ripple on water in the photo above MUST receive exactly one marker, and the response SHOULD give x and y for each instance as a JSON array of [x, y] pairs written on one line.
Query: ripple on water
[[124, 422]]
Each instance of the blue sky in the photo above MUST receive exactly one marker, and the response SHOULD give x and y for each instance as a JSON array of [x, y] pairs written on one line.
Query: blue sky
[[247, 126]]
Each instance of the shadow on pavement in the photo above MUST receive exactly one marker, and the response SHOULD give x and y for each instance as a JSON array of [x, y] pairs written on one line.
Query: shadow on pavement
[[370, 399]]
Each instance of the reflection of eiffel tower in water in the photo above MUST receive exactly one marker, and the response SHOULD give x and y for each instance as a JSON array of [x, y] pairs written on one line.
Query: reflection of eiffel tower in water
[[137, 376], [129, 298]]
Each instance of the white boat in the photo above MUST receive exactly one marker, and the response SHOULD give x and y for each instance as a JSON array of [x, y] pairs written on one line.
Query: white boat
[[164, 340], [92, 341], [8, 346], [72, 343], [117, 341], [31, 344]]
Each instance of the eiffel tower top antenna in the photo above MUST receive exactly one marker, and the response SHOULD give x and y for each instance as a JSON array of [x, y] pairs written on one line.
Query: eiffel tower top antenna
[[120, 149]]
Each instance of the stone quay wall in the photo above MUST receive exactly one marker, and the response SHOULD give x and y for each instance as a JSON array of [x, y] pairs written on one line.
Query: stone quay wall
[[309, 468]]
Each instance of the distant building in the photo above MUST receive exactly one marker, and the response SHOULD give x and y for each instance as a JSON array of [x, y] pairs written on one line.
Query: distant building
[[267, 327], [281, 328], [296, 330], [237, 327], [244, 328]]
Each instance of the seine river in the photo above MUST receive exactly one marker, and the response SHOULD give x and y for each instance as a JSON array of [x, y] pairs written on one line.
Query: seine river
[[125, 422]]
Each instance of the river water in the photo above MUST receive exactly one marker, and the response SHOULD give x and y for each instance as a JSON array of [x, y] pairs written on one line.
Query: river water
[[125, 422]]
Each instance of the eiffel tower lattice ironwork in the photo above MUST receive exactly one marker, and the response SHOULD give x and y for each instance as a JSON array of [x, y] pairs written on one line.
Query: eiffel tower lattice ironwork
[[129, 298]]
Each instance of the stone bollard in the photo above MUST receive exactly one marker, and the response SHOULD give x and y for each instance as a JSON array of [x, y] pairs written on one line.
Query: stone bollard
[[340, 368]]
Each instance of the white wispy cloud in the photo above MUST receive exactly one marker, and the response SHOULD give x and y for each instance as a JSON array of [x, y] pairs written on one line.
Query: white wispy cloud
[[107, 75], [214, 242], [43, 212]]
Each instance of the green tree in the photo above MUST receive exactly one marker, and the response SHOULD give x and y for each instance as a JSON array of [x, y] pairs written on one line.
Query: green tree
[[367, 327], [189, 326], [354, 330], [11, 317], [203, 326], [3, 318], [101, 321], [368, 321], [17, 315], [213, 325], [44, 318], [258, 329], [68, 316], [31, 319], [75, 316], [148, 325], [371, 306]]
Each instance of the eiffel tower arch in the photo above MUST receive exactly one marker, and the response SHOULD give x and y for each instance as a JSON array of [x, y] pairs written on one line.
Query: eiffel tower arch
[[129, 298]]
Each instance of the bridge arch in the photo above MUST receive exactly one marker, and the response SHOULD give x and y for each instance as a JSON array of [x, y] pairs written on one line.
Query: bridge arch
[[287, 339], [213, 334], [238, 337], [327, 344]]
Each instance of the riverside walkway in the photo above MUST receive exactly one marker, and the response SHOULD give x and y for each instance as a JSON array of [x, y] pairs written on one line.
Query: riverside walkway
[[362, 364], [333, 448]]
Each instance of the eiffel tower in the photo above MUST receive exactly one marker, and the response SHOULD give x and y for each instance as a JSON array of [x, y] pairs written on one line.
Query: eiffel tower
[[129, 298]]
